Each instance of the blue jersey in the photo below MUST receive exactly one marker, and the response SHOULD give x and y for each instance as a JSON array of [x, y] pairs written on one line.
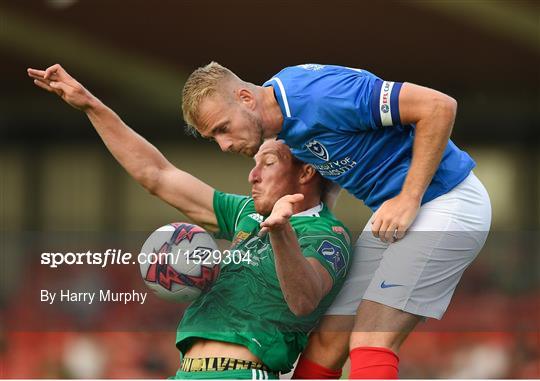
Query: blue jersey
[[346, 123]]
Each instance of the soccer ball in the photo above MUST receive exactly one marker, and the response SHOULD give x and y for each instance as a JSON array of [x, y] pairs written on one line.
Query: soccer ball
[[177, 262]]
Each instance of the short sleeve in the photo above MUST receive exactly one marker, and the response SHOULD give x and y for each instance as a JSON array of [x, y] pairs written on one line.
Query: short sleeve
[[385, 103], [228, 209], [352, 100], [330, 251]]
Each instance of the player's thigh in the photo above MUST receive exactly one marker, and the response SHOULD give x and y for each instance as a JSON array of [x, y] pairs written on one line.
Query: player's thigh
[[419, 273], [367, 255], [328, 345]]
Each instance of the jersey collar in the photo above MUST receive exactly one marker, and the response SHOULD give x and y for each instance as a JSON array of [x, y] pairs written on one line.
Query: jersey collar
[[281, 97], [312, 212]]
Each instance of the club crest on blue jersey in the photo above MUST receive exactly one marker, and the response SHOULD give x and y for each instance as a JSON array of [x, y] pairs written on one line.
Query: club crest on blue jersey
[[316, 148], [332, 253]]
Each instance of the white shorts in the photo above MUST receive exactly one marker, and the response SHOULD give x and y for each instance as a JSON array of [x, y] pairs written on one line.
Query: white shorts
[[419, 273]]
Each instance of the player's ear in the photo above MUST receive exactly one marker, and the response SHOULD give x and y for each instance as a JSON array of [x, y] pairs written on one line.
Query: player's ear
[[307, 173], [246, 97]]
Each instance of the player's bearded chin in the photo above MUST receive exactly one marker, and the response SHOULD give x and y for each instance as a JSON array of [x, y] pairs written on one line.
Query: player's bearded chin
[[258, 130], [263, 208]]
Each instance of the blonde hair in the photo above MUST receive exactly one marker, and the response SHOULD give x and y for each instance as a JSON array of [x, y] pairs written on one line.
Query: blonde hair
[[202, 83]]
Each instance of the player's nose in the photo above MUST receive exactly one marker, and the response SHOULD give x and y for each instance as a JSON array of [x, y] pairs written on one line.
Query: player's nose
[[254, 175], [224, 144]]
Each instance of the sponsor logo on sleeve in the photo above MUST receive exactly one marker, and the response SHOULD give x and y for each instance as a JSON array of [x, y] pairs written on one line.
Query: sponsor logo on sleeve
[[318, 149], [384, 101], [333, 254], [342, 231], [240, 237], [257, 217]]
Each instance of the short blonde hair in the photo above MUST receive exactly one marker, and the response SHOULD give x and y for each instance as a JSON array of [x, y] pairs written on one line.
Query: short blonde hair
[[202, 83]]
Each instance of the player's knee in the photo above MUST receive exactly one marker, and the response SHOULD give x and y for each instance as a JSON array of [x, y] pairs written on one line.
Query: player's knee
[[389, 340], [378, 325], [328, 348], [371, 339]]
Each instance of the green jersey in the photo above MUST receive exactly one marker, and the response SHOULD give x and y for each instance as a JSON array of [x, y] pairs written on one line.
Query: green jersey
[[246, 305]]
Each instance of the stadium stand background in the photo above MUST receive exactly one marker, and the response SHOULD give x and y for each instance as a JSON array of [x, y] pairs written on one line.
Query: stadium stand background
[[56, 178]]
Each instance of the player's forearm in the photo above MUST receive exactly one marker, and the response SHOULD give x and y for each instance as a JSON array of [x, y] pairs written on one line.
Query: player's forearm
[[138, 157], [300, 284], [430, 140]]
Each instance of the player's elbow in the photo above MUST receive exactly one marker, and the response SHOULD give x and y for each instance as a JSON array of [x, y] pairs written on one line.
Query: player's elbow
[[304, 307], [445, 107], [302, 311], [450, 105], [149, 178]]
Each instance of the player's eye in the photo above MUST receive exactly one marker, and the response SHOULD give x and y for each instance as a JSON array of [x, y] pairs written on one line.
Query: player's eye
[[222, 130]]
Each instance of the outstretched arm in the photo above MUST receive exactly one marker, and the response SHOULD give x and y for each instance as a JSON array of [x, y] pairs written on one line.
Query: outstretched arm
[[433, 113], [138, 157]]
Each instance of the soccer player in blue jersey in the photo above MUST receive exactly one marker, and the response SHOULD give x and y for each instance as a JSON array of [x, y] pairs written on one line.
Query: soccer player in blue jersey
[[388, 144]]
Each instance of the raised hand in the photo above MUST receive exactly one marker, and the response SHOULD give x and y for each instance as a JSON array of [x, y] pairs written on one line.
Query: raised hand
[[282, 211], [56, 80]]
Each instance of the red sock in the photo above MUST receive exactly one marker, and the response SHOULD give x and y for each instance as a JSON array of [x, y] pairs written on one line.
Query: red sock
[[307, 369], [373, 363]]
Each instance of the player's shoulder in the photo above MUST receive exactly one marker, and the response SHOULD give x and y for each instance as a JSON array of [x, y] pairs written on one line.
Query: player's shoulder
[[246, 207], [299, 74], [311, 70], [231, 199], [233, 205], [247, 219], [307, 85], [321, 222], [302, 69]]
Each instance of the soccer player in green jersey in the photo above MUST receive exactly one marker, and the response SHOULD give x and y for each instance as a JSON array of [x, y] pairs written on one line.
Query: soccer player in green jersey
[[254, 321], [270, 303]]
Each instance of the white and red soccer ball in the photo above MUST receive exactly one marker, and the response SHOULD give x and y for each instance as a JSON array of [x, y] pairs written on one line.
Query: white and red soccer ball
[[176, 262]]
